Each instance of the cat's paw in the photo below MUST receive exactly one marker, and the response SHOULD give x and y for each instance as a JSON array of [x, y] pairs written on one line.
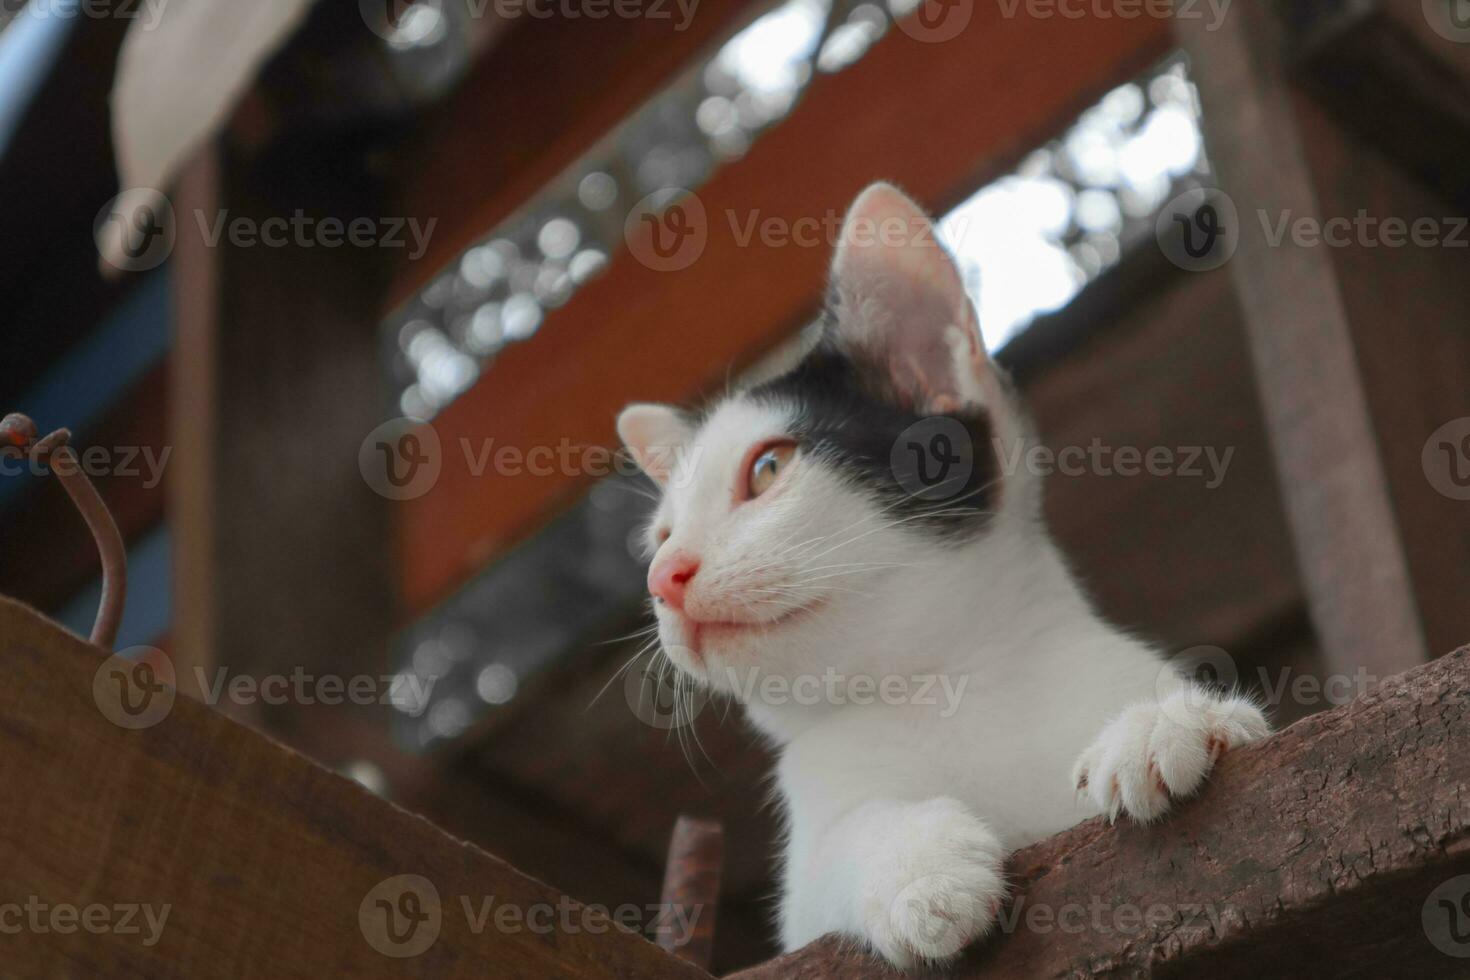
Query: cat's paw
[[933, 886], [1161, 751]]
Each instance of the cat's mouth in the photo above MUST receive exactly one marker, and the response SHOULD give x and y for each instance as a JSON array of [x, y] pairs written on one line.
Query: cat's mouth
[[698, 632]]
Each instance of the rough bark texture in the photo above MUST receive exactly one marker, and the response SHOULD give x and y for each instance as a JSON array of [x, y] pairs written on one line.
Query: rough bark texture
[[1316, 852]]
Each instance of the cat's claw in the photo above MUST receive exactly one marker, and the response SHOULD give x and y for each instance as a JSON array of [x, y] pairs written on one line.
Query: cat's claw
[[1157, 752]]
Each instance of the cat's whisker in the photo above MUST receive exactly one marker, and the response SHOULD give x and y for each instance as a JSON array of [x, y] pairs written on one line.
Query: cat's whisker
[[647, 645]]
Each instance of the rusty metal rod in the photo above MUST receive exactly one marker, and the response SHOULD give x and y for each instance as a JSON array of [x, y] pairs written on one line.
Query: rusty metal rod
[[18, 436], [692, 890]]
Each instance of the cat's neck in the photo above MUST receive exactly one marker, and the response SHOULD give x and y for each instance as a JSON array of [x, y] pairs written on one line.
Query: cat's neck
[[984, 609]]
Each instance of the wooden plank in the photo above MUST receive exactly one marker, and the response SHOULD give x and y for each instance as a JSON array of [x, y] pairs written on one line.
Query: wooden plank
[[1324, 850], [639, 333], [268, 865], [1352, 561], [525, 114]]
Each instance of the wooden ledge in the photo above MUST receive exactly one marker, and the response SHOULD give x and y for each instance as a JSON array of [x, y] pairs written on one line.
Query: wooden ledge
[[195, 847], [1314, 853]]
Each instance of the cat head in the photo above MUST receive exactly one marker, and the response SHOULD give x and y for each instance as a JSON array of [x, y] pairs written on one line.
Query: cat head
[[798, 517]]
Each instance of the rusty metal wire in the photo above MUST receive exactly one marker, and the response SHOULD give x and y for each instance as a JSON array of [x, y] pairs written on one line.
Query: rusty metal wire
[[18, 437]]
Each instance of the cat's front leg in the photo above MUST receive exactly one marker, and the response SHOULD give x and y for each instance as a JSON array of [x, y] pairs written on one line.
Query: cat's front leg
[[1159, 751], [918, 881]]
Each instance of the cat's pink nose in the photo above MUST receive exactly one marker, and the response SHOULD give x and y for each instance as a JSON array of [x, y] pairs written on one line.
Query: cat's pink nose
[[670, 576]]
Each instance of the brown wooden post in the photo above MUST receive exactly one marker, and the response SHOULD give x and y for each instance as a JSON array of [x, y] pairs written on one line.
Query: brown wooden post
[[1351, 557], [692, 890], [192, 483]]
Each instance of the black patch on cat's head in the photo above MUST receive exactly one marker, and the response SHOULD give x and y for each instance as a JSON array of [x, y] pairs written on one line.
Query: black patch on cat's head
[[848, 415]]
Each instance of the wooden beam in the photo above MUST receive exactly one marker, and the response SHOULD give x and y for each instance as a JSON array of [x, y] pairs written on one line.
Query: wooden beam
[[252, 850], [1321, 851], [1365, 162], [639, 333], [277, 383], [535, 104], [1333, 482]]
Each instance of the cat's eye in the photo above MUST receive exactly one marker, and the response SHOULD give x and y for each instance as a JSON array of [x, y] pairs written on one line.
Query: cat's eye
[[769, 463]]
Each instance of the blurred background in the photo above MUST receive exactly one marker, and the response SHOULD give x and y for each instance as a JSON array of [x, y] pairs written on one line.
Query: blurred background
[[241, 247]]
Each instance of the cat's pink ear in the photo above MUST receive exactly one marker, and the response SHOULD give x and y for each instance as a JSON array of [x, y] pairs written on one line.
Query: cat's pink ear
[[655, 435], [900, 302]]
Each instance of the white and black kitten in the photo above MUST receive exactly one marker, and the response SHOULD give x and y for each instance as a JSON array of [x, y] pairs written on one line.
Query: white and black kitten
[[790, 546]]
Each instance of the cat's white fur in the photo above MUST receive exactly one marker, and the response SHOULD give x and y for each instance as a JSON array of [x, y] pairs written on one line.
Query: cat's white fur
[[900, 812]]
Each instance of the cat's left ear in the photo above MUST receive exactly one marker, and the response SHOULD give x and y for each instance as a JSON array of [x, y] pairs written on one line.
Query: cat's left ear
[[655, 435], [899, 303]]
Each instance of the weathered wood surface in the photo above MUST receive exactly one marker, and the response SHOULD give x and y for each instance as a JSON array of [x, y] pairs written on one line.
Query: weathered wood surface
[[269, 865], [1316, 852]]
